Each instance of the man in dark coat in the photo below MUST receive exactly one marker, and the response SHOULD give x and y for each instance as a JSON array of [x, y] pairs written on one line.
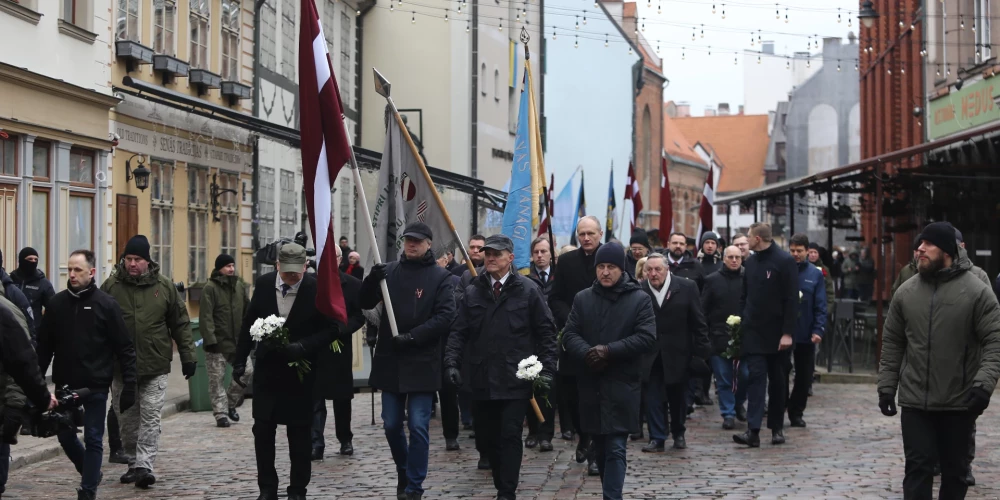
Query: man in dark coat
[[335, 374], [810, 328], [684, 265], [610, 328], [475, 250], [15, 295], [770, 309], [279, 397], [720, 299], [575, 272], [709, 255], [407, 367], [638, 248], [32, 282], [502, 320], [542, 273], [682, 346]]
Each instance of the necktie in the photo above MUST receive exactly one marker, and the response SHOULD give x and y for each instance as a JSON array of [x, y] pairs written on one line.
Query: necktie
[[544, 275], [284, 289], [496, 289]]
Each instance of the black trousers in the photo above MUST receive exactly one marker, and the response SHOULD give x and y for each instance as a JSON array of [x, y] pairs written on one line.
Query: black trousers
[[569, 398], [498, 436], [341, 422], [298, 452], [565, 412], [448, 396], [804, 356], [544, 430], [767, 374], [930, 437], [114, 432]]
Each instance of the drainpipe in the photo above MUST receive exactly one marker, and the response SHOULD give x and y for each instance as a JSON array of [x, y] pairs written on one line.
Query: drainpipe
[[255, 165], [474, 129]]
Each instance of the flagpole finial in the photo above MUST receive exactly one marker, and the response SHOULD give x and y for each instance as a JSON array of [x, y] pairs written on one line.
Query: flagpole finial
[[525, 38], [382, 86]]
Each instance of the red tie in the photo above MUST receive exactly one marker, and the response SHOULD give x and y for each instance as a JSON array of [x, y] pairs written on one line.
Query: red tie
[[496, 289]]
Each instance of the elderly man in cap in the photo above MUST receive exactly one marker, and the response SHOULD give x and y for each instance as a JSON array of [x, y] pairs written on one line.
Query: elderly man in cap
[[280, 397], [407, 367], [223, 301], [503, 319]]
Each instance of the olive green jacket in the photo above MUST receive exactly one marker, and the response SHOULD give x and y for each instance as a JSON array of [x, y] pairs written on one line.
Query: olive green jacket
[[154, 314], [941, 338], [13, 396], [908, 271], [223, 301]]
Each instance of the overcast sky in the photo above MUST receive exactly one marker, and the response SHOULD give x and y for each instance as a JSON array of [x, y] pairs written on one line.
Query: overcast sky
[[706, 80]]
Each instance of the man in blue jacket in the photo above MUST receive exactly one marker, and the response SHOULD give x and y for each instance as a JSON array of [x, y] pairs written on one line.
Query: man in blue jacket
[[809, 329]]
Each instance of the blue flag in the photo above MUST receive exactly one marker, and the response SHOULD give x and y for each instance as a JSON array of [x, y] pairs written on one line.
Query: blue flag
[[581, 209], [518, 213]]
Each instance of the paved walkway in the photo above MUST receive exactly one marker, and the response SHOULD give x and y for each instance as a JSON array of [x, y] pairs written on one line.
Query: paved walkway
[[849, 450]]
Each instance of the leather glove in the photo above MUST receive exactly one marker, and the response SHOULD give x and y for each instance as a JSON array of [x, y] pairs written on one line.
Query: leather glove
[[212, 348], [597, 357], [403, 341], [887, 403], [188, 369], [127, 399], [454, 376], [977, 400], [377, 272], [238, 372], [372, 338], [294, 351], [698, 366]]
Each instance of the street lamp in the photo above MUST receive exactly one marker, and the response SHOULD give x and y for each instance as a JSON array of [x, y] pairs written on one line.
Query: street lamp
[[867, 14], [141, 173]]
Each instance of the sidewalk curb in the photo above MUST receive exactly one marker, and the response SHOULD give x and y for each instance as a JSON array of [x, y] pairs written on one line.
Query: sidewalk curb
[[170, 408]]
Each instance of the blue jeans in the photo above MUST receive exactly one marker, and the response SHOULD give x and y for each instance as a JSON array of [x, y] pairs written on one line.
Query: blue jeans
[[413, 458], [728, 400], [609, 450], [88, 461]]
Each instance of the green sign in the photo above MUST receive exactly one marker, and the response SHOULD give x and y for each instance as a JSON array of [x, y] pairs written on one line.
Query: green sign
[[963, 109]]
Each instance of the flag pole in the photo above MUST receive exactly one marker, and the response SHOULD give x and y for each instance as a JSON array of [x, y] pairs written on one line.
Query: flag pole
[[383, 87], [359, 189]]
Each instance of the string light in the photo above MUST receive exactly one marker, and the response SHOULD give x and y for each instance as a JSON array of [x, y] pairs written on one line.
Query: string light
[[391, 7], [938, 71], [467, 28], [517, 17], [553, 32], [808, 63], [709, 50], [501, 25], [961, 22], [703, 31], [855, 66], [629, 50], [460, 7], [445, 15], [838, 15], [693, 29], [358, 12], [659, 10], [584, 18], [777, 12], [912, 27], [817, 41], [723, 11], [577, 22], [849, 18], [683, 52], [838, 65], [605, 39], [751, 39], [900, 24], [973, 25], [758, 58], [735, 63], [595, 5], [923, 50], [977, 51], [413, 19], [644, 25], [788, 64], [786, 15], [888, 70], [902, 67], [576, 43], [657, 47], [713, 7]]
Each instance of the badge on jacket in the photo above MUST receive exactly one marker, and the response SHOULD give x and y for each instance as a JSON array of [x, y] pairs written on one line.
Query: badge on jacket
[[420, 292], [769, 275]]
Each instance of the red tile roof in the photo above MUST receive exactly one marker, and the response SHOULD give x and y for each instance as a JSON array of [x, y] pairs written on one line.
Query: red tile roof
[[676, 144], [739, 141]]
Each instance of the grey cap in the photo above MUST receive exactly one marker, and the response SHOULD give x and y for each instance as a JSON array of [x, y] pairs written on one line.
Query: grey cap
[[499, 242], [418, 230], [291, 255]]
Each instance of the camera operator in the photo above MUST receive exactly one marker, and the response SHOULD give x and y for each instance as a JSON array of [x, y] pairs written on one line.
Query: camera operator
[[83, 335]]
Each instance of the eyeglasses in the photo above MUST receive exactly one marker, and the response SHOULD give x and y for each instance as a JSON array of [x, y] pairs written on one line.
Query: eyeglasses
[[734, 257]]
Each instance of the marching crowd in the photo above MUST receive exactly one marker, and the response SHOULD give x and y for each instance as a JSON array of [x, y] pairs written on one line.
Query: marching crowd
[[624, 337]]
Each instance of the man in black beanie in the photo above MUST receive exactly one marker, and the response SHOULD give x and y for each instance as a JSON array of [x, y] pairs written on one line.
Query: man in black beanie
[[223, 301], [709, 254], [32, 282]]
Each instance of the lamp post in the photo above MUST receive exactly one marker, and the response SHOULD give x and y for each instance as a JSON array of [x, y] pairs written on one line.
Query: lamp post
[[867, 14]]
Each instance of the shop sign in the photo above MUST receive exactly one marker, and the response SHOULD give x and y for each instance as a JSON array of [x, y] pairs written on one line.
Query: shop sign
[[158, 144], [963, 109]]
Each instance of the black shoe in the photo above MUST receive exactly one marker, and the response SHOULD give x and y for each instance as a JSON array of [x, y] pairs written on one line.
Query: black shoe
[[85, 495], [741, 413], [970, 480], [797, 421], [810, 390], [937, 470], [144, 478], [234, 415], [451, 445], [728, 423], [401, 483], [545, 445], [777, 437], [317, 454], [748, 438], [680, 443], [705, 400], [582, 449], [592, 469], [637, 436], [296, 496], [530, 442], [568, 435], [654, 446], [484, 464], [267, 496], [119, 457], [128, 477], [222, 422], [466, 427], [472, 435], [690, 409], [347, 448]]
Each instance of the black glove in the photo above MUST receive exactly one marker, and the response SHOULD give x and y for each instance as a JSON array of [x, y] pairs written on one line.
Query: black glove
[[188, 369], [12, 420], [697, 366], [212, 348], [887, 403], [977, 400], [377, 272], [238, 372], [371, 338], [597, 357], [127, 399], [403, 341], [454, 376], [294, 351]]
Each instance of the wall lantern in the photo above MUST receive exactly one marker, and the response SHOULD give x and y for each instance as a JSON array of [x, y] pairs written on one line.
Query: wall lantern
[[141, 173], [867, 14]]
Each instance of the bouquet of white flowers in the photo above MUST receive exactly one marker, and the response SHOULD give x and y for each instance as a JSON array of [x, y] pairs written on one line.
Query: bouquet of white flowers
[[735, 337], [272, 331], [529, 369]]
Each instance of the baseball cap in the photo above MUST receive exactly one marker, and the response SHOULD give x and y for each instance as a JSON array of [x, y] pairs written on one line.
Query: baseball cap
[[290, 255]]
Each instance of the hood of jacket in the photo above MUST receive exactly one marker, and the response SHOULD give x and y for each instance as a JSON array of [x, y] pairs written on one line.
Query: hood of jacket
[[223, 280], [960, 265], [427, 260], [147, 278]]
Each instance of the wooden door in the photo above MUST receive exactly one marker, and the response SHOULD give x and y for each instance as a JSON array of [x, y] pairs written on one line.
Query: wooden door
[[8, 224], [127, 208]]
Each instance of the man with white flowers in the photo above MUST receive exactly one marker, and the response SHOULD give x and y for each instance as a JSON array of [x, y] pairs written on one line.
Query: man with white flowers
[[280, 397], [503, 344]]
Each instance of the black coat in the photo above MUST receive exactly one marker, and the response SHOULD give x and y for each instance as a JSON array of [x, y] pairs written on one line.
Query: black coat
[[689, 268], [37, 289], [711, 264], [576, 272], [423, 299], [15, 295], [620, 317], [19, 360], [681, 332], [720, 299], [549, 281], [278, 395], [334, 373], [491, 336], [770, 300]]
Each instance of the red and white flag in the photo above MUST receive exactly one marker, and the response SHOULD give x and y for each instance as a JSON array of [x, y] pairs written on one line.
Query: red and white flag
[[633, 194], [666, 204], [705, 211], [547, 206], [325, 150]]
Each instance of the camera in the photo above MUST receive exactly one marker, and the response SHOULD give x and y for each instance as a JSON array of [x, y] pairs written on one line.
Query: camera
[[65, 415]]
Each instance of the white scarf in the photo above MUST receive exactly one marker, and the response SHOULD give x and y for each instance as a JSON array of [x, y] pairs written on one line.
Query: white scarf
[[661, 294]]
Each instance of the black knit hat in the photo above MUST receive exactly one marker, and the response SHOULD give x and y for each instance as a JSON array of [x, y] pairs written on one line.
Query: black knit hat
[[639, 236], [138, 245], [941, 235], [710, 236], [610, 253], [223, 260]]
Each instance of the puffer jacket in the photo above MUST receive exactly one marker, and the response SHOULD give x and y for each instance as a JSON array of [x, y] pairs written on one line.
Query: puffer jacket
[[908, 271], [812, 304], [155, 315], [223, 301], [941, 338], [975, 270]]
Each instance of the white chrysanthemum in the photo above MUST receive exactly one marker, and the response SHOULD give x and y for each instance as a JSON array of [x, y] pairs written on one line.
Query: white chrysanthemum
[[521, 375], [257, 330], [530, 360], [733, 320], [800, 295], [534, 370]]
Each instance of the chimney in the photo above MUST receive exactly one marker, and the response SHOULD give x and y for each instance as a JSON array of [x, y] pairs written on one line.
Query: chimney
[[851, 37], [741, 110], [768, 47], [683, 110], [723, 109], [711, 112]]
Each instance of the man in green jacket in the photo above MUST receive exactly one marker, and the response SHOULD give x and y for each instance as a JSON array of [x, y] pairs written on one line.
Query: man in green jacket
[[941, 389], [156, 317], [223, 301]]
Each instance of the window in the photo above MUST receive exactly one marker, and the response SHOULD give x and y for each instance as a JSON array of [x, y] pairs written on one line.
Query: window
[[346, 200], [721, 209], [161, 226], [229, 206], [268, 36], [40, 160], [69, 11], [200, 15], [127, 20], [81, 215], [40, 225], [197, 243], [8, 156], [329, 17], [164, 26], [81, 167], [746, 209], [8, 219], [231, 40], [345, 58], [288, 39], [266, 215], [197, 186], [983, 28], [288, 223]]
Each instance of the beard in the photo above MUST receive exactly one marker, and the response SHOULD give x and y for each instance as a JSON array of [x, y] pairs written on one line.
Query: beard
[[677, 254], [931, 267]]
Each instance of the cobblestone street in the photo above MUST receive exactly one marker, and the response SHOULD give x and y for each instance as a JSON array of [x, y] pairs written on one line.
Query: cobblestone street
[[848, 451]]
